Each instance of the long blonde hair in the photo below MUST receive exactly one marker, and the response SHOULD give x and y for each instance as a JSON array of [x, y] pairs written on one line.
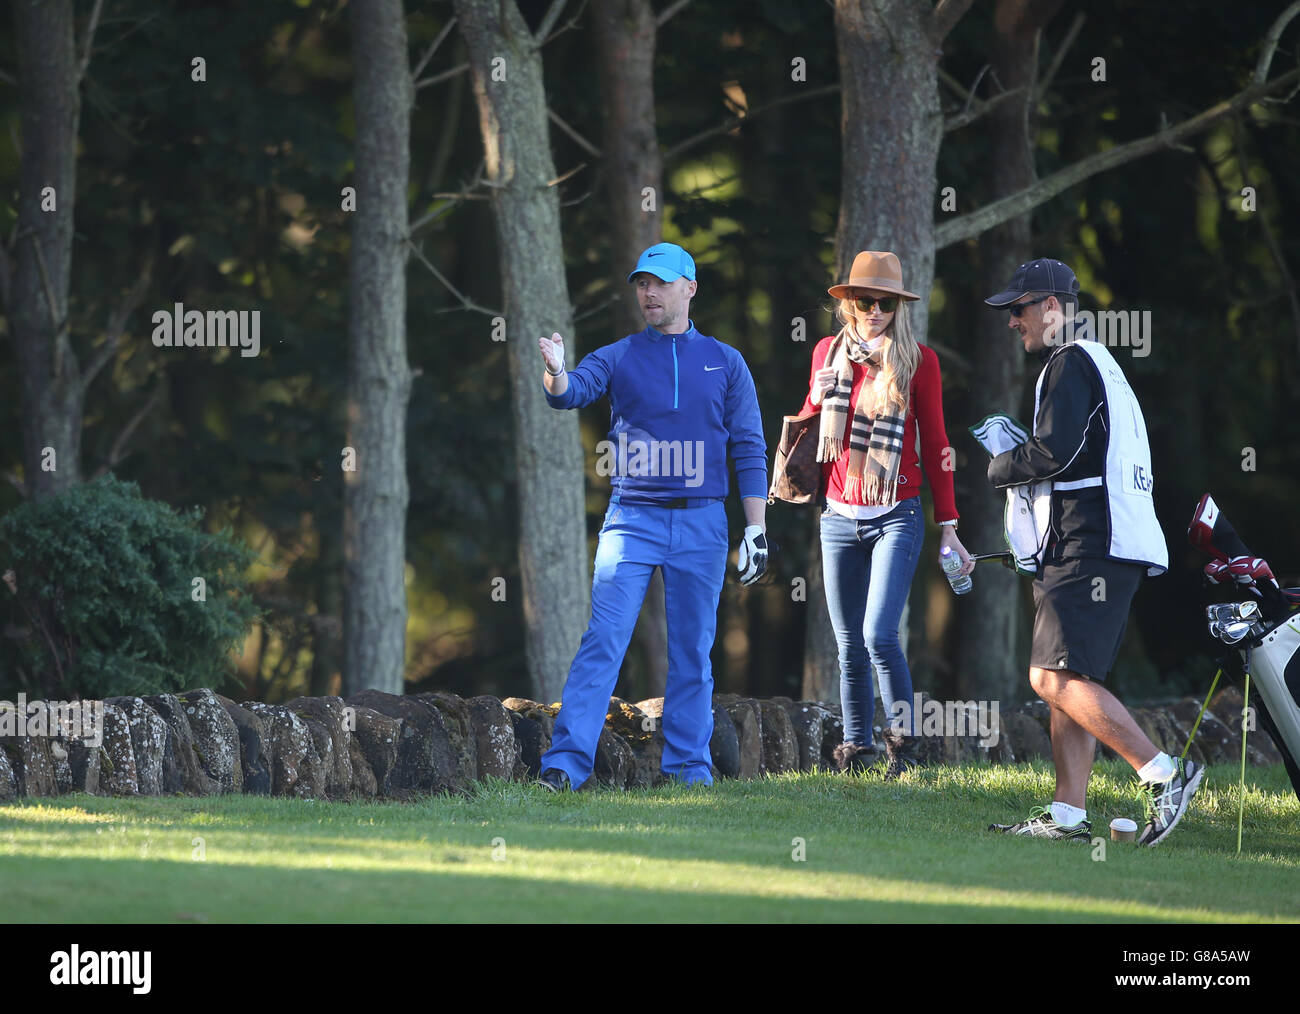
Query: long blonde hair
[[900, 355]]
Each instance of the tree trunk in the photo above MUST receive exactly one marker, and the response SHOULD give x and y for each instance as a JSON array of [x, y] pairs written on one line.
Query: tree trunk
[[37, 303], [988, 623], [326, 642], [625, 50], [821, 665], [507, 72], [891, 128], [379, 377]]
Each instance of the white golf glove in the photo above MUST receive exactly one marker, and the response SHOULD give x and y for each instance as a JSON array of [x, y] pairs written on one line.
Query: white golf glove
[[552, 350], [753, 555]]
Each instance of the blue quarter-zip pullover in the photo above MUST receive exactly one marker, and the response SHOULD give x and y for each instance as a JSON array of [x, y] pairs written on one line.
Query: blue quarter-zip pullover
[[666, 388]]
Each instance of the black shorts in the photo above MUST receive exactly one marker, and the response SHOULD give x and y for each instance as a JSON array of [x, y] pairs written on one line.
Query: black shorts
[[1082, 608]]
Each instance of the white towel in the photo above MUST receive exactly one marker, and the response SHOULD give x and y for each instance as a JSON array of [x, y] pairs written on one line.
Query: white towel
[[1029, 505]]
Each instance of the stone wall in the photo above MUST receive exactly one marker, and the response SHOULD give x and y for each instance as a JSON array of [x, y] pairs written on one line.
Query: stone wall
[[376, 745]]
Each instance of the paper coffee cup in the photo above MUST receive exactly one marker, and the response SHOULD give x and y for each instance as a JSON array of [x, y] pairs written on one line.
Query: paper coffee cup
[[1123, 829]]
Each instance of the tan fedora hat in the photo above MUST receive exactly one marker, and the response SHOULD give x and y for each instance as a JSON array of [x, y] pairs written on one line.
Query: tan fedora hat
[[874, 269]]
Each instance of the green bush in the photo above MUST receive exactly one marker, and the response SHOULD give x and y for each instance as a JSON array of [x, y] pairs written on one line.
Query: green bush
[[98, 596]]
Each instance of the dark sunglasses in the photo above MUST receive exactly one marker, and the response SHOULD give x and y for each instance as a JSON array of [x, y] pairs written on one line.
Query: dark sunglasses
[[887, 304], [1016, 309]]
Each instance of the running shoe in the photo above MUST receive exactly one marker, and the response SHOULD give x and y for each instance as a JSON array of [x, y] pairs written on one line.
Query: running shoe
[[554, 780], [1167, 801], [1041, 824]]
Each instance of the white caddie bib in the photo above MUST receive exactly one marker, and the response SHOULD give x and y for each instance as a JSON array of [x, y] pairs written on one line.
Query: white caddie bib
[[1135, 534]]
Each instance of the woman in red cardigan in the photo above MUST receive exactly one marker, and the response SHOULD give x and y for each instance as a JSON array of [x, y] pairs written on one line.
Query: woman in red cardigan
[[875, 388]]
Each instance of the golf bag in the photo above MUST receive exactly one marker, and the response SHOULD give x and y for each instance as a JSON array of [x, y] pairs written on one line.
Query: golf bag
[[1258, 618]]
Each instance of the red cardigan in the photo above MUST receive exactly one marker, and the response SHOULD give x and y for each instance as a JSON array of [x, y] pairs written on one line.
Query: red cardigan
[[925, 406]]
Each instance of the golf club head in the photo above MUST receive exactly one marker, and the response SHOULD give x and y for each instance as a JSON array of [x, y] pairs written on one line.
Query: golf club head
[[1234, 632], [1221, 612]]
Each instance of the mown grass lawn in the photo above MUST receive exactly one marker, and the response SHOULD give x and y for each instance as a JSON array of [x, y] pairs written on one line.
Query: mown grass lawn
[[915, 850]]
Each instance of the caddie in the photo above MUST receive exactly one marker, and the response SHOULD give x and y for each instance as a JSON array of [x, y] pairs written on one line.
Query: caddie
[[1089, 445]]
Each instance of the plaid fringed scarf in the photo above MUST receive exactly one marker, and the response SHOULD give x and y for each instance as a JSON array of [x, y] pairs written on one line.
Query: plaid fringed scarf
[[875, 445]]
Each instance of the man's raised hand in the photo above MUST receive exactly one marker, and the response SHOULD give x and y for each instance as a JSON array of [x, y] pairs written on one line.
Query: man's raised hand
[[552, 350]]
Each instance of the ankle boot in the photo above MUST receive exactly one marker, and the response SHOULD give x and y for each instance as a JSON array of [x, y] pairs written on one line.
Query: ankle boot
[[854, 757], [901, 753]]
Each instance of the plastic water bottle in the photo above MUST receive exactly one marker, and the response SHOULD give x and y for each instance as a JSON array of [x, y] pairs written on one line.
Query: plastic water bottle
[[951, 564]]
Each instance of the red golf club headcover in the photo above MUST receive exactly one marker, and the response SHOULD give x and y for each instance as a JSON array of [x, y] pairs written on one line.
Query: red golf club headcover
[[1213, 534], [1216, 572], [1250, 570]]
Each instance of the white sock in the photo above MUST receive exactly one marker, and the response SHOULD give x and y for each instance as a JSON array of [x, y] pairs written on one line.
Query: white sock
[[1159, 768], [1067, 815]]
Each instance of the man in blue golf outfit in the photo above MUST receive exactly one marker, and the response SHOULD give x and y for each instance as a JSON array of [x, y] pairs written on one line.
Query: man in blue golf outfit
[[680, 402]]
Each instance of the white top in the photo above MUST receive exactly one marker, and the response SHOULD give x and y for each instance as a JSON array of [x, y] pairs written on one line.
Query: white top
[[867, 512], [859, 512]]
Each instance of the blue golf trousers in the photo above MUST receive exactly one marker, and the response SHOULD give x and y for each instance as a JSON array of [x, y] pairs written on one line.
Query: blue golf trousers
[[690, 546], [867, 568]]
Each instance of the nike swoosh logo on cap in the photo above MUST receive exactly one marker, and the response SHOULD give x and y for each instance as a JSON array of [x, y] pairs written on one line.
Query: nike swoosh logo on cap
[[659, 254]]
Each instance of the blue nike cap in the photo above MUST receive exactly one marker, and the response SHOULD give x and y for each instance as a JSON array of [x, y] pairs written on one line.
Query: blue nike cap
[[666, 261]]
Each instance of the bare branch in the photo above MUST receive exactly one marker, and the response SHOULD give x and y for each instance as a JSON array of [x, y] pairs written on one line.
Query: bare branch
[[548, 22], [458, 69], [951, 357], [433, 48], [1059, 58], [945, 17], [130, 32], [4, 276], [967, 93], [731, 122], [1270, 42], [89, 40], [567, 26], [597, 308], [564, 176], [118, 451], [38, 622], [16, 483], [59, 327], [965, 118], [1288, 280], [1009, 207], [1274, 100], [467, 193], [663, 16], [582, 142], [466, 304], [117, 322], [981, 107]]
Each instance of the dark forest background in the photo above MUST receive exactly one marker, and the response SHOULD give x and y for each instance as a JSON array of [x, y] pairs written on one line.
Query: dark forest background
[[229, 190]]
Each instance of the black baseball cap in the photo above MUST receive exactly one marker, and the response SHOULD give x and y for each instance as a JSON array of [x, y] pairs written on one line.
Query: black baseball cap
[[1041, 275]]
